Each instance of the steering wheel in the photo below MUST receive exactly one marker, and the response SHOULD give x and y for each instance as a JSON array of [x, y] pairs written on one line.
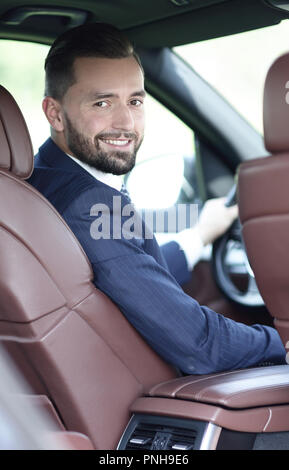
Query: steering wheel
[[231, 268]]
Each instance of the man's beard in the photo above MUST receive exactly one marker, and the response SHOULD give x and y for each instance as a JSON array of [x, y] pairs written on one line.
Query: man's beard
[[115, 162]]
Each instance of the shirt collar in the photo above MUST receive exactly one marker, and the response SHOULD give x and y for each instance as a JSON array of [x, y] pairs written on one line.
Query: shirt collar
[[114, 181]]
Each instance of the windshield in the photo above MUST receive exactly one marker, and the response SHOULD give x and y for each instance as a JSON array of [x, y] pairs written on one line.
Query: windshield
[[236, 66]]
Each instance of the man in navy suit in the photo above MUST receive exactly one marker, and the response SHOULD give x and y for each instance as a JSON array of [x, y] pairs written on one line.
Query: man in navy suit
[[94, 102]]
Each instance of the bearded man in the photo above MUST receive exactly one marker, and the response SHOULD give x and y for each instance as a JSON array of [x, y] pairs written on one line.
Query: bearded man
[[94, 102]]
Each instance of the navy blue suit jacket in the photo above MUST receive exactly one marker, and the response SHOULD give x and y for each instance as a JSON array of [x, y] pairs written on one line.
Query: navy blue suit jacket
[[134, 274]]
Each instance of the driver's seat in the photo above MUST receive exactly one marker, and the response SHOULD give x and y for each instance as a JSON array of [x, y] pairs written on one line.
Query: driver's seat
[[263, 195], [68, 338]]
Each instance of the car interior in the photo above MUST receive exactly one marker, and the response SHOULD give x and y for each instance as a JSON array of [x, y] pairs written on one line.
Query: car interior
[[87, 368]]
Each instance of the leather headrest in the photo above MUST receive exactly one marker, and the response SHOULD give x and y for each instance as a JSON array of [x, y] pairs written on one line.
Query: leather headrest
[[16, 151], [276, 106]]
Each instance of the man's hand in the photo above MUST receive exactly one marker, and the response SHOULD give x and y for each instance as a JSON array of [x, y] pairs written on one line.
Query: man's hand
[[215, 219]]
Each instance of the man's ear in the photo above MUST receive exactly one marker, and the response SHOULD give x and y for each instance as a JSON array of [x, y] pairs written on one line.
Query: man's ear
[[52, 111]]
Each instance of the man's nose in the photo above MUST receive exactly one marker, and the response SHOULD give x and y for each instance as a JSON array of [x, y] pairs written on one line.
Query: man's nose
[[123, 118]]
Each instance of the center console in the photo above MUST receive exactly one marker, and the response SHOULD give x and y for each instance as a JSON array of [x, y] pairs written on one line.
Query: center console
[[246, 409]]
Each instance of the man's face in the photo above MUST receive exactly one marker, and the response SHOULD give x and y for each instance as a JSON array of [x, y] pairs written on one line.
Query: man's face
[[103, 113]]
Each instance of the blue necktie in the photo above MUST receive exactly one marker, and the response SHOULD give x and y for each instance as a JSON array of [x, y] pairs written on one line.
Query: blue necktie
[[125, 192]]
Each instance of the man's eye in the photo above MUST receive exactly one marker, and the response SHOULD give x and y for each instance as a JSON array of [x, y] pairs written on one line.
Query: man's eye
[[100, 104], [136, 102]]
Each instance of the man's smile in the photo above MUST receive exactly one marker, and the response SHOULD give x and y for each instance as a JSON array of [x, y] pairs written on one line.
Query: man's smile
[[123, 143]]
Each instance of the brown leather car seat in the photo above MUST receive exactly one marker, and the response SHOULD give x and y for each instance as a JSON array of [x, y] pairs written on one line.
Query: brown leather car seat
[[263, 194], [68, 338]]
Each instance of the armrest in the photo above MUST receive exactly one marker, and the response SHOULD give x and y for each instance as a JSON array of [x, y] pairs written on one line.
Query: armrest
[[249, 388], [252, 400]]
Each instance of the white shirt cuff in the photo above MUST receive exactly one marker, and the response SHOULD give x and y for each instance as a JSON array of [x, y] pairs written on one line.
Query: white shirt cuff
[[189, 241]]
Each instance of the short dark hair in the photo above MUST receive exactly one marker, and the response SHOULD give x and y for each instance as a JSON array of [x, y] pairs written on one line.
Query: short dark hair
[[89, 40]]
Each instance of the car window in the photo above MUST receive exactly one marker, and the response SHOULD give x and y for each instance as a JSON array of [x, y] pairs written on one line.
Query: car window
[[159, 176], [165, 133], [237, 65], [22, 73]]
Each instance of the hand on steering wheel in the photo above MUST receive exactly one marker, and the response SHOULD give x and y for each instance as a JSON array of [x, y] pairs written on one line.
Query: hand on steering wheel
[[215, 219], [229, 260]]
